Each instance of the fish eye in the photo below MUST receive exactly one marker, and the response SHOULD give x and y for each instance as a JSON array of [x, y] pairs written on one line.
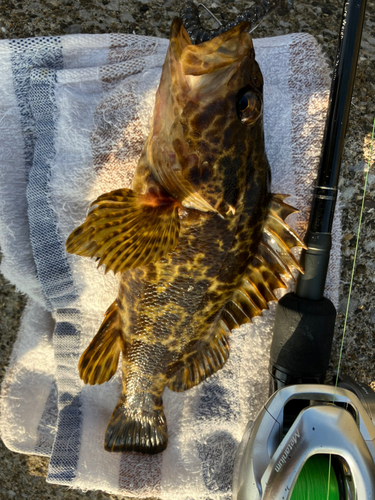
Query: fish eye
[[249, 107]]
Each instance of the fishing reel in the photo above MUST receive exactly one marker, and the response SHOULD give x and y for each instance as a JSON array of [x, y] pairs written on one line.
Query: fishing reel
[[310, 441]]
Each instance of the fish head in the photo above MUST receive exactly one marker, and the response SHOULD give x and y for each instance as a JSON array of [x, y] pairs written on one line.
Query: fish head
[[208, 114]]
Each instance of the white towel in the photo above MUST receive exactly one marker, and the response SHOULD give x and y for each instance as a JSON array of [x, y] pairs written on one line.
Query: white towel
[[74, 113]]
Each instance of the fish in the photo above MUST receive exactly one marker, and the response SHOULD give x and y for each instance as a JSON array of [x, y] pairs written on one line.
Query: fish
[[199, 243]]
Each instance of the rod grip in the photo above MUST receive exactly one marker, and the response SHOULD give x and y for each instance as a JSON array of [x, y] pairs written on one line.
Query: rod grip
[[302, 341]]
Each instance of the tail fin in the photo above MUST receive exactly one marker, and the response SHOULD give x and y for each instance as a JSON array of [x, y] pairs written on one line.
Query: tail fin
[[136, 430], [99, 362]]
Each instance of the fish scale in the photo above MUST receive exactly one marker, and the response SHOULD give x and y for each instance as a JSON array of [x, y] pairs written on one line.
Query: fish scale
[[199, 243]]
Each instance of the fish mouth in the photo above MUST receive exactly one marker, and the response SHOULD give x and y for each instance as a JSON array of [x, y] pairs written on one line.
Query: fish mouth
[[227, 49]]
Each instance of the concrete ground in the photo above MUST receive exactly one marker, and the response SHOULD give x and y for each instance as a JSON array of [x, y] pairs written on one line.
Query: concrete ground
[[24, 476]]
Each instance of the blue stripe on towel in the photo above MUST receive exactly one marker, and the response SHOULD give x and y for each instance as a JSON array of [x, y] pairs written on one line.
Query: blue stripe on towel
[[217, 455], [47, 425], [34, 65], [215, 403], [63, 464], [217, 449], [31, 53], [64, 460], [48, 248]]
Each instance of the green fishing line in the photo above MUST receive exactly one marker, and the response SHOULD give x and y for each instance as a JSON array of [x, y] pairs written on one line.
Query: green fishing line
[[355, 258], [312, 482], [352, 277]]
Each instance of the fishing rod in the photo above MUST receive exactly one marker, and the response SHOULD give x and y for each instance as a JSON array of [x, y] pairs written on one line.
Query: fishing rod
[[306, 310], [309, 437]]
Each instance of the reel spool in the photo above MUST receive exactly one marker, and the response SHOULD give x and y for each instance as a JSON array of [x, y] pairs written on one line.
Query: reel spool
[[284, 455], [312, 483]]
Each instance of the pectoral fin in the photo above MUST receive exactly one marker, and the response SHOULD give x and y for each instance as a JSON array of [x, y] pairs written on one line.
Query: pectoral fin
[[168, 173], [126, 229]]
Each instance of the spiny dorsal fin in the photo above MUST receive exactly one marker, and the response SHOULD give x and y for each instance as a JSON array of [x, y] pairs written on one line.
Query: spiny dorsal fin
[[204, 363], [272, 261], [99, 362], [281, 209], [263, 278], [126, 229]]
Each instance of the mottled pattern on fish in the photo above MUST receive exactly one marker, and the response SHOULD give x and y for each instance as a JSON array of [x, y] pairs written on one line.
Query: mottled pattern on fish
[[199, 240]]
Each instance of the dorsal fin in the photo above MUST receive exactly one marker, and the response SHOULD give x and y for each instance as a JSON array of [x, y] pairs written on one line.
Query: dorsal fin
[[272, 261]]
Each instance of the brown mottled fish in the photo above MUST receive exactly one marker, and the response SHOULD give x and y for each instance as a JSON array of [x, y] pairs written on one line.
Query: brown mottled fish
[[199, 242]]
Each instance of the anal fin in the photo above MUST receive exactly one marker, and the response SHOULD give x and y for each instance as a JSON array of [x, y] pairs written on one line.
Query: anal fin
[[126, 229], [204, 363], [99, 362]]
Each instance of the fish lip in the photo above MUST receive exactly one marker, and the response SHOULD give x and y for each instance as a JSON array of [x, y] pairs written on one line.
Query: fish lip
[[177, 24], [192, 57]]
